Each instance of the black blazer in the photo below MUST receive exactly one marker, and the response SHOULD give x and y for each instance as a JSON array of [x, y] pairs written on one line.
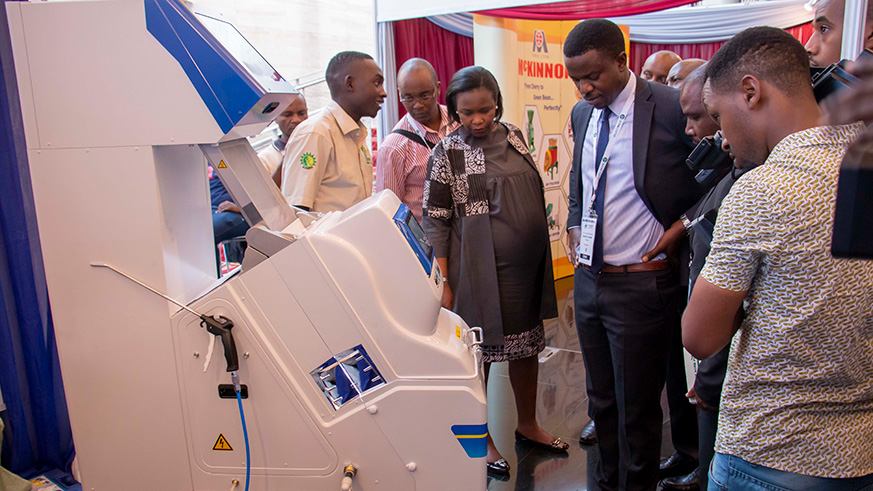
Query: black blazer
[[660, 147]]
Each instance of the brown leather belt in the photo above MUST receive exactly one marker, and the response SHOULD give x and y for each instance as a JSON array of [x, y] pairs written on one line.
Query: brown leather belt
[[636, 268]]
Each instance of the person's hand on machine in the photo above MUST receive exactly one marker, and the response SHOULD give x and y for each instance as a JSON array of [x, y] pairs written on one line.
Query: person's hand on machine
[[448, 297], [448, 300]]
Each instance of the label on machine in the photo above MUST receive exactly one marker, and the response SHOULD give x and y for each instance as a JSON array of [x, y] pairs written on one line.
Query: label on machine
[[222, 444]]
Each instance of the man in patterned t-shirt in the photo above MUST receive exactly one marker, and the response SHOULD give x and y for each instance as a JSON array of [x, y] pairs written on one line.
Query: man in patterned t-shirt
[[797, 404]]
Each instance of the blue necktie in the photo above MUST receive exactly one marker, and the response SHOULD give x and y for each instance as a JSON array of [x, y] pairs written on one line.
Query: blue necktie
[[602, 141]]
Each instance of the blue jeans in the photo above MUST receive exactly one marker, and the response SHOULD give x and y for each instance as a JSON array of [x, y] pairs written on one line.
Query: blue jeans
[[225, 226], [735, 474]]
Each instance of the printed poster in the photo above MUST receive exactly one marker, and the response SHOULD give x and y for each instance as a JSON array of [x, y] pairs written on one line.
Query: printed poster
[[527, 58]]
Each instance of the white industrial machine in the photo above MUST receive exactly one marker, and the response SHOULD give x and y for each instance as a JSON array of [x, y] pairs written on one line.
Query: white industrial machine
[[334, 366]]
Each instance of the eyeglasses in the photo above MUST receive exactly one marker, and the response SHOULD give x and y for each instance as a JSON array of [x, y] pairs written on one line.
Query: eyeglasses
[[424, 98]]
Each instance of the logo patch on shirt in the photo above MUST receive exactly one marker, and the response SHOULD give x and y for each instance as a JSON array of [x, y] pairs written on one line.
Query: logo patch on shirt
[[307, 160]]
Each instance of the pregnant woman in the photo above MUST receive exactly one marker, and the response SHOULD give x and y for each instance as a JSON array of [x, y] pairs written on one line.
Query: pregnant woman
[[484, 214]]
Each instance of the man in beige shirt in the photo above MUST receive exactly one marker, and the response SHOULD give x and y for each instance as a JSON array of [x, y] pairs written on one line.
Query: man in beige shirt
[[327, 165]]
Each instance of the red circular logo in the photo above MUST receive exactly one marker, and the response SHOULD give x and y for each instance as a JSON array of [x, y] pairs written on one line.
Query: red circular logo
[[539, 38]]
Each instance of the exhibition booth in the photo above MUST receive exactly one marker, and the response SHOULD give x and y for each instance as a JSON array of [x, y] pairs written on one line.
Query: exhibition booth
[[522, 46], [145, 358]]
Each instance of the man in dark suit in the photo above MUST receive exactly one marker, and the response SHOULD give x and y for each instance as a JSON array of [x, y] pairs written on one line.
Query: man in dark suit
[[628, 183]]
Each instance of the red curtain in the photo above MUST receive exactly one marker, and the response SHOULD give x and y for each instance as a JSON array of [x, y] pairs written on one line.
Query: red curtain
[[446, 51], [640, 51], [585, 9], [449, 52]]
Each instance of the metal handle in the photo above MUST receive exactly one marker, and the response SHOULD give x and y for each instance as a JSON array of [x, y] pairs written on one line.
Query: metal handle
[[478, 336], [221, 327], [353, 354], [475, 346]]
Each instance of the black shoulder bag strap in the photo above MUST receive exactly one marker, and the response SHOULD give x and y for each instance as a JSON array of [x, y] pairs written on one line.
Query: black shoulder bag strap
[[415, 137]]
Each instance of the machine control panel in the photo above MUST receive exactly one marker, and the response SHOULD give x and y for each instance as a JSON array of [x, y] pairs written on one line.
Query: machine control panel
[[414, 234]]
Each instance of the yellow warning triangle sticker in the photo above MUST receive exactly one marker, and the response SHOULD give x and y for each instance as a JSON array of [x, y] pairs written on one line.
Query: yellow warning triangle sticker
[[221, 444], [222, 165]]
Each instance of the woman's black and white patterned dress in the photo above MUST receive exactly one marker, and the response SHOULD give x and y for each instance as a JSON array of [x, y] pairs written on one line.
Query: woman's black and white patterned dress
[[484, 211]]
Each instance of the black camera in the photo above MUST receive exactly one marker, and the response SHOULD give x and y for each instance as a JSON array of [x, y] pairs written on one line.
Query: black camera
[[853, 227], [833, 78], [709, 162]]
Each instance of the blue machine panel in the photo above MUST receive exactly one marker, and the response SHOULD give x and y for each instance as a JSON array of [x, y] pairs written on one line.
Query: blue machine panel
[[347, 375], [415, 236], [228, 73]]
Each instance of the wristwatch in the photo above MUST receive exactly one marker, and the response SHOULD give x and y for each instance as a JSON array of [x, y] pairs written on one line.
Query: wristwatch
[[686, 222]]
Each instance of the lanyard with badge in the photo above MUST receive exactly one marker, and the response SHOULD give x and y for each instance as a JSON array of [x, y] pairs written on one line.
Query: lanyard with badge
[[585, 250]]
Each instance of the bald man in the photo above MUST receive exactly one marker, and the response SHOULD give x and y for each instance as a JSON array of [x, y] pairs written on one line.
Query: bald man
[[658, 65], [327, 165], [710, 375], [681, 70], [288, 120], [402, 161]]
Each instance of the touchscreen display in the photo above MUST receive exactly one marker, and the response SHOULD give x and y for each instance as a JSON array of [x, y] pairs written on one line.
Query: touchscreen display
[[415, 236], [418, 233]]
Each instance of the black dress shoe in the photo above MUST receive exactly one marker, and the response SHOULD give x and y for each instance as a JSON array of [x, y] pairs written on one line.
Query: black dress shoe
[[677, 465], [589, 434], [688, 482]]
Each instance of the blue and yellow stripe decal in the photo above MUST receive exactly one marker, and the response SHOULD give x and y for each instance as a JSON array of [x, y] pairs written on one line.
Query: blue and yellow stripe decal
[[474, 439]]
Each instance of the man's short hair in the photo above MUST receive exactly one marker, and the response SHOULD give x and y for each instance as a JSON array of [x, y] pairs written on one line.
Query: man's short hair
[[599, 34], [767, 53], [416, 64], [340, 66]]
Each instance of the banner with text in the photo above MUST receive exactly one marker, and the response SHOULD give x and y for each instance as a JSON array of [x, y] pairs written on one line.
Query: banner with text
[[527, 58]]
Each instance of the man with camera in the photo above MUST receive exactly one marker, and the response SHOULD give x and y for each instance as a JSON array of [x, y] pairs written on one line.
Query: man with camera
[[847, 106], [716, 171], [796, 411], [826, 42]]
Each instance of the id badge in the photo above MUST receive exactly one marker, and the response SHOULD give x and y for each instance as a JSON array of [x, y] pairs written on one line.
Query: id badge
[[586, 243]]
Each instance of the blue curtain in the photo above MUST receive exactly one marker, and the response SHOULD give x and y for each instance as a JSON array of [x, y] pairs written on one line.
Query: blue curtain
[[39, 436]]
